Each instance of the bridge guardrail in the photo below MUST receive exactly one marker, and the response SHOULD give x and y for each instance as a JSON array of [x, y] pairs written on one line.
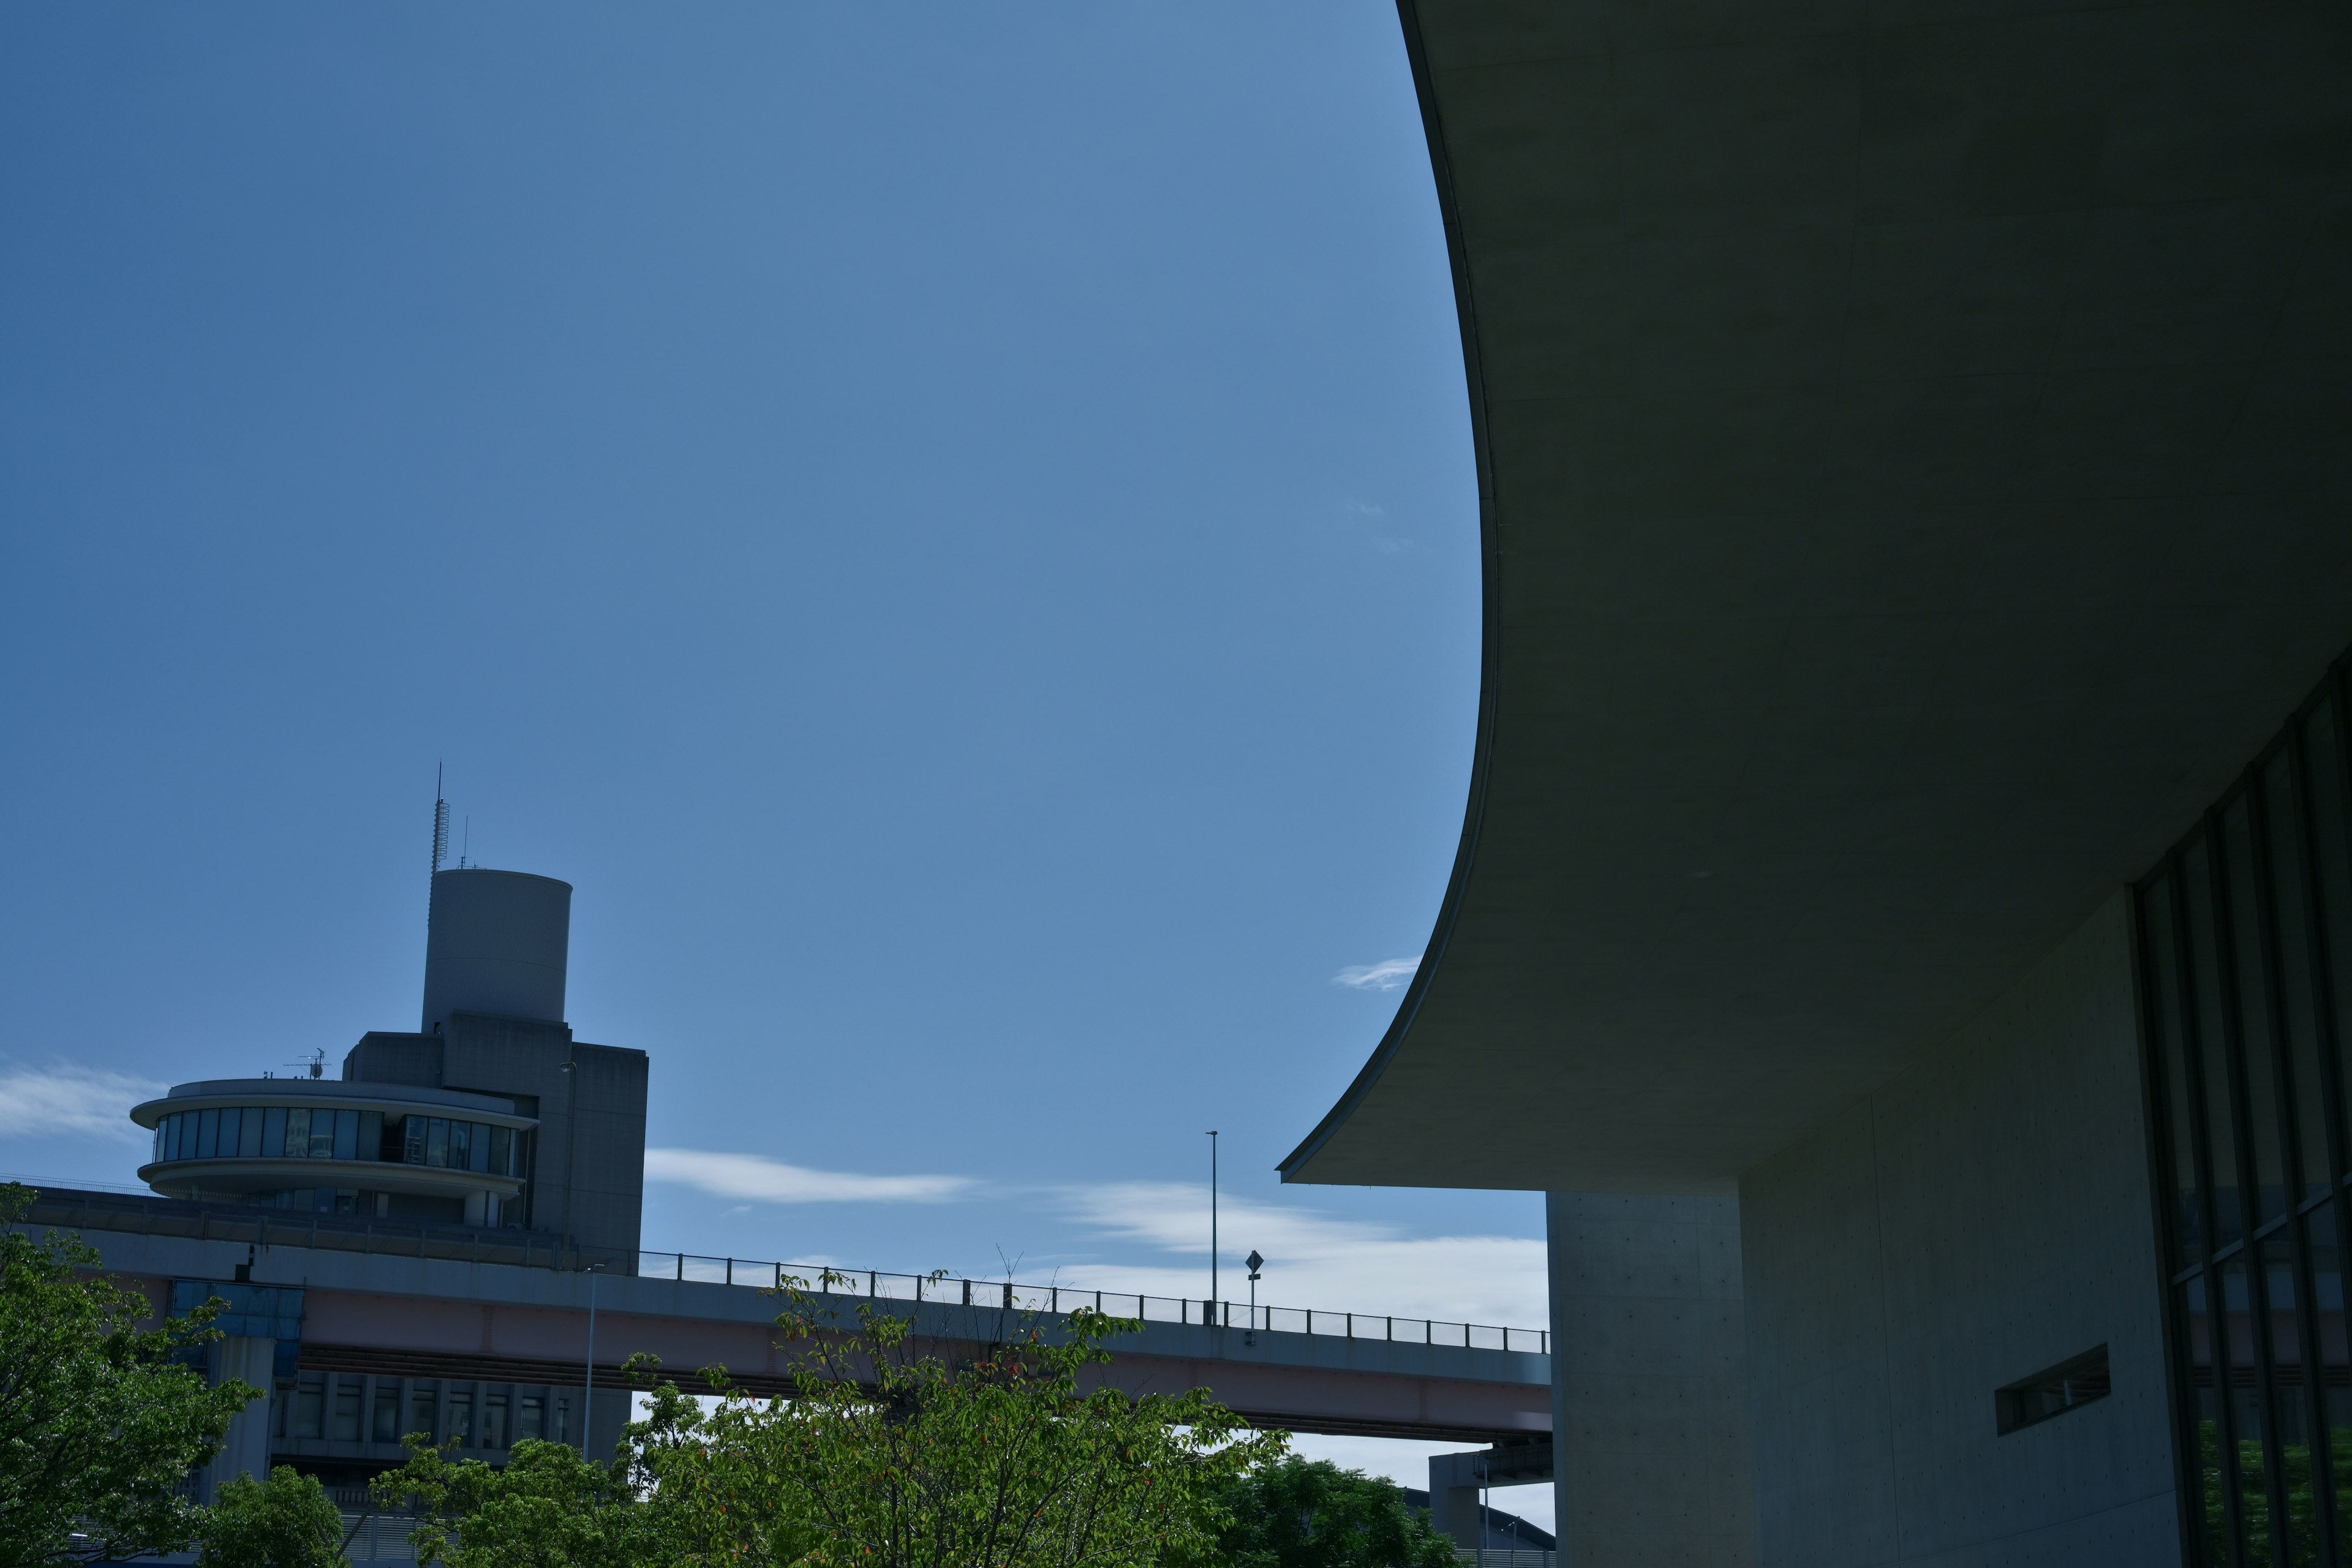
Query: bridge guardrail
[[91, 1208], [882, 1285]]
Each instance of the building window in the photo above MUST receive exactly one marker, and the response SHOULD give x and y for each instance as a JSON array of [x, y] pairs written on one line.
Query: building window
[[422, 1397], [530, 1417], [494, 1418], [461, 1415], [387, 1410], [343, 1420], [2244, 936], [309, 1406], [2067, 1386]]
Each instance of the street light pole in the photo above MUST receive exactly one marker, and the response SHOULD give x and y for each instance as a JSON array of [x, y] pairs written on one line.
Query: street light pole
[[1212, 1225], [588, 1392]]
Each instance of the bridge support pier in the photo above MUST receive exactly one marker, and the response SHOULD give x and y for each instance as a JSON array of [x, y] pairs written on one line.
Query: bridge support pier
[[1649, 1369], [1455, 1480], [246, 1450]]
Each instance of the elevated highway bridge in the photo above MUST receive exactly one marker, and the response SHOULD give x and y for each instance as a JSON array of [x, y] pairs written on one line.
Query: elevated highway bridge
[[459, 1335]]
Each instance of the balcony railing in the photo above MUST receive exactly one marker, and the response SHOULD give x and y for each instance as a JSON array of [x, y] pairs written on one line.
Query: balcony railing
[[879, 1285]]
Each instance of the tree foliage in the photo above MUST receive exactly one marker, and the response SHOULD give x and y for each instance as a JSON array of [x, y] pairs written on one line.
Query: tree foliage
[[993, 1457], [286, 1522], [549, 1508], [98, 1423], [1299, 1513]]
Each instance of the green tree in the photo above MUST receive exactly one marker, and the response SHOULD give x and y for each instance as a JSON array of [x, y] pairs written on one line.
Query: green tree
[[880, 1458], [286, 1522], [549, 1508], [1303, 1513], [98, 1423]]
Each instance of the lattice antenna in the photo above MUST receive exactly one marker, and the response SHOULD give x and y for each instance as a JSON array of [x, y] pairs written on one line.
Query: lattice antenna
[[440, 823]]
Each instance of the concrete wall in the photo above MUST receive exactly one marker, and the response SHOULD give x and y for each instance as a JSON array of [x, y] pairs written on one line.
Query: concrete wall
[[245, 1448], [1983, 1217], [1649, 1387], [1456, 1481], [588, 1165]]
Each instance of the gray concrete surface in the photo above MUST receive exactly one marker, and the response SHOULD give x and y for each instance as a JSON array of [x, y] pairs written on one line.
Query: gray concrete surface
[[1469, 1494], [1650, 1384], [587, 1170], [496, 942], [1911, 445], [245, 1451], [1982, 1217]]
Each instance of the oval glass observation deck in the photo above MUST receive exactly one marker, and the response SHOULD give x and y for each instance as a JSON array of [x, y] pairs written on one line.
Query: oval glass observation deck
[[397, 1151]]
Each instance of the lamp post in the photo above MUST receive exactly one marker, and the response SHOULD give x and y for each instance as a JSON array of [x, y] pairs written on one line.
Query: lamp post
[[588, 1392], [1485, 1504], [1210, 1316], [1255, 1263]]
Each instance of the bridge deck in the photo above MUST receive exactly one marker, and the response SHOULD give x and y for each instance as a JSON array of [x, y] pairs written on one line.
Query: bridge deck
[[453, 1318]]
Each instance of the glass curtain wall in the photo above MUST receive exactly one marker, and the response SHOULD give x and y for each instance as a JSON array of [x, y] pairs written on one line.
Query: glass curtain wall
[[2245, 964]]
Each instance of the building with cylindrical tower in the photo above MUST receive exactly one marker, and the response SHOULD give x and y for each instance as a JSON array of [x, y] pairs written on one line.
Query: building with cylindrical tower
[[490, 1116]]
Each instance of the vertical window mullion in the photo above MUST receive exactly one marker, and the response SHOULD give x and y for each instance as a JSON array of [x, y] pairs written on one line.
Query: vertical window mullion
[[2299, 1164], [2315, 930], [2200, 1113], [2339, 698], [2192, 1053], [2233, 1045], [2163, 1143]]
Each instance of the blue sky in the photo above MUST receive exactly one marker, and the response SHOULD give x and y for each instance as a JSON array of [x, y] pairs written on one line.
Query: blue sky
[[952, 527]]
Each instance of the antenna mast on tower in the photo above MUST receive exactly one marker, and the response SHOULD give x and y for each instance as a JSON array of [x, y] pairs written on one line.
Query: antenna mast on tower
[[440, 823]]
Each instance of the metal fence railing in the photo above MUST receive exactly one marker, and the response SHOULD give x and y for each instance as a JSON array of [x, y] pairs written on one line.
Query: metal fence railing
[[378, 1537], [89, 1208], [882, 1286]]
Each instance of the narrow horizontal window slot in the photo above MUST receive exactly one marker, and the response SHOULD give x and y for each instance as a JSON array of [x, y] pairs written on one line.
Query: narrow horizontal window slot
[[2063, 1387]]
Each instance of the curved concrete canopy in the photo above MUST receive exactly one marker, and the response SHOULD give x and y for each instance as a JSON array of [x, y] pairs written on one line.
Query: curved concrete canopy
[[1915, 444]]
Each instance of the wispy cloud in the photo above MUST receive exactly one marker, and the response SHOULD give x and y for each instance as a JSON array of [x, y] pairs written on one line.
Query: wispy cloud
[[66, 1101], [1314, 1259], [762, 1180], [1386, 976]]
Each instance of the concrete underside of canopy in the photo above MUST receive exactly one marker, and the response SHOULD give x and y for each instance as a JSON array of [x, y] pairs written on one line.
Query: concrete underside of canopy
[[1916, 447]]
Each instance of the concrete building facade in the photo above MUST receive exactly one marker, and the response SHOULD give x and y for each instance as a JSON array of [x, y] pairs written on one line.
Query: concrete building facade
[[491, 1116], [490, 1120], [1904, 891]]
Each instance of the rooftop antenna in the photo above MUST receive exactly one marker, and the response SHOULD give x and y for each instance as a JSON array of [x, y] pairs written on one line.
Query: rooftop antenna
[[315, 1063], [468, 846], [440, 821]]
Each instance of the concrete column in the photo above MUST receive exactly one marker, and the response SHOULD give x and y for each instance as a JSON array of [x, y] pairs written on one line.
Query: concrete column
[[1456, 1480], [1454, 1513], [1453, 1483], [247, 1450], [1649, 1382]]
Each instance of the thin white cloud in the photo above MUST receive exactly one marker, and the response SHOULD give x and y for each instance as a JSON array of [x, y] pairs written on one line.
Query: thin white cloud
[[1368, 508], [762, 1180], [1313, 1259], [1386, 976], [66, 1101]]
